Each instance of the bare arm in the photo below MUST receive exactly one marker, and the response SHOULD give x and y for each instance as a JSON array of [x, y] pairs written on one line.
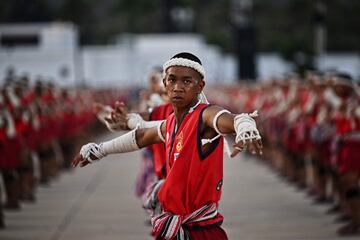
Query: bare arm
[[128, 142], [225, 122], [147, 136], [225, 125], [118, 119]]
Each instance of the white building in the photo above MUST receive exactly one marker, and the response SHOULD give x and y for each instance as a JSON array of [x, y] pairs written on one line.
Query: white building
[[131, 59], [346, 62], [51, 50]]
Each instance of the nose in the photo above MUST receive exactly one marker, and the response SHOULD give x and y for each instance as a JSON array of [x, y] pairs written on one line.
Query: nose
[[178, 86]]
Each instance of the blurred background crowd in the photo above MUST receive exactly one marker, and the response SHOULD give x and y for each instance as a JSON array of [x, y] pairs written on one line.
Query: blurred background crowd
[[296, 61]]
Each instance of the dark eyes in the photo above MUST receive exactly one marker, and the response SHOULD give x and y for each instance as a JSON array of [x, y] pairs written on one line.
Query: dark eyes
[[186, 82]]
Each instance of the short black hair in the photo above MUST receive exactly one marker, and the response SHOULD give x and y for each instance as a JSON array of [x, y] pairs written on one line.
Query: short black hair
[[189, 56]]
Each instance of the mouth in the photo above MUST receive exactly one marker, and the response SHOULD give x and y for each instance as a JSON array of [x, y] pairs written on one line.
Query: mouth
[[177, 98]]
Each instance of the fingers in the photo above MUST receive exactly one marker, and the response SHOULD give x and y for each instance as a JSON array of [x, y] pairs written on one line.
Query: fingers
[[239, 147], [120, 108], [119, 120], [79, 161], [116, 117], [109, 120], [97, 107], [258, 146], [84, 163], [234, 152], [75, 162], [253, 146]]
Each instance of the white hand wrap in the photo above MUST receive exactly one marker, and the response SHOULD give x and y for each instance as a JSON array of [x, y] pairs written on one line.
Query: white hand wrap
[[245, 127], [136, 121], [91, 149], [122, 144]]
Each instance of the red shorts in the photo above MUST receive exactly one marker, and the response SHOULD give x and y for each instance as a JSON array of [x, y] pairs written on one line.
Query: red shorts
[[213, 233]]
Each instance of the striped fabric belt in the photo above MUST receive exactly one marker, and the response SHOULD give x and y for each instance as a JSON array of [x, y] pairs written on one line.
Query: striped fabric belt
[[151, 201], [168, 226]]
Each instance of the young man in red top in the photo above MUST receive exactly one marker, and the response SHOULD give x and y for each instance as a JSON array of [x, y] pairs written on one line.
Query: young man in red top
[[191, 190]]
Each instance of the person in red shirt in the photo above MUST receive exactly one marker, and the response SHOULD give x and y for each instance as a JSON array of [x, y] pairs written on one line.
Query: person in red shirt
[[191, 191], [346, 150], [119, 117], [160, 113], [155, 107]]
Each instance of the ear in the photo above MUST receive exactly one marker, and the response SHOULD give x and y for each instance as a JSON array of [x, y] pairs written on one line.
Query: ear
[[201, 85], [164, 82]]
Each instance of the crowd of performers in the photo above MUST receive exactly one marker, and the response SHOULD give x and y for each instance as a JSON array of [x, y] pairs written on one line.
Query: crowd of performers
[[153, 105], [311, 135], [41, 127], [310, 129]]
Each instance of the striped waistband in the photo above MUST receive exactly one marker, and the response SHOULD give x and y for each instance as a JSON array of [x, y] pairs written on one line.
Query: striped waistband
[[168, 226]]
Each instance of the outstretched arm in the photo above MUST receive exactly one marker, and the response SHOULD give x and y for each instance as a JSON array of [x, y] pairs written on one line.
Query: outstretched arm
[[119, 119], [128, 142], [242, 125]]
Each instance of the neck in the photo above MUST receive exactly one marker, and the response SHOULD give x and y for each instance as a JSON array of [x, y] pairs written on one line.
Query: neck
[[180, 112]]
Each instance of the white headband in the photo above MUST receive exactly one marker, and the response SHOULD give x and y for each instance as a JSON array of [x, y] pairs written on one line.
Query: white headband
[[184, 62]]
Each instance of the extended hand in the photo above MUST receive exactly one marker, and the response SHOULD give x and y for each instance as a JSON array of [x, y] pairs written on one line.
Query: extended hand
[[253, 146], [98, 108], [118, 117], [78, 159], [88, 153]]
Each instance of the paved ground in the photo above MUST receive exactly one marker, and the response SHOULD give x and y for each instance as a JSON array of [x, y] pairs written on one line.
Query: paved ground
[[97, 202]]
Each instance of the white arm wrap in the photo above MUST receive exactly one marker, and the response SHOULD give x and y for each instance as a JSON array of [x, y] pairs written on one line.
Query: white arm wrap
[[136, 121], [245, 127], [159, 131], [218, 114], [122, 144]]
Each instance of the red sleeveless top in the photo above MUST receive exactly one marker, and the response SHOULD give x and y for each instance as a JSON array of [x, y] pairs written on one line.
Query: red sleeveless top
[[194, 178]]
